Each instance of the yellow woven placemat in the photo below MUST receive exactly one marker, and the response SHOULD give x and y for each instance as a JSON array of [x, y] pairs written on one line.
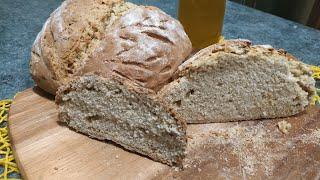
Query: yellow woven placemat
[[316, 76], [8, 167]]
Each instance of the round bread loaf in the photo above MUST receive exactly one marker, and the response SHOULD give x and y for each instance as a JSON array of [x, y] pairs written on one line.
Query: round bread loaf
[[140, 43], [145, 45]]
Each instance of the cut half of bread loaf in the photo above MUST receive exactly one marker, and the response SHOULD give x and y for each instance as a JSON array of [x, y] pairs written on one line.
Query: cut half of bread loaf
[[116, 109], [234, 81]]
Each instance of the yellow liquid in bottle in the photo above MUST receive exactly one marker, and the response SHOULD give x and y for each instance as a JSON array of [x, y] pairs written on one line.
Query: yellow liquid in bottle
[[202, 20]]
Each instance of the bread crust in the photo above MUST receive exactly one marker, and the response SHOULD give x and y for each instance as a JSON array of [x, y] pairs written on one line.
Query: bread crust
[[145, 45], [233, 46], [84, 36]]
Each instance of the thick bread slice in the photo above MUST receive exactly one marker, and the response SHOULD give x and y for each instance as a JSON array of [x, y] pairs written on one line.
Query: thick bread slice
[[118, 110], [235, 81]]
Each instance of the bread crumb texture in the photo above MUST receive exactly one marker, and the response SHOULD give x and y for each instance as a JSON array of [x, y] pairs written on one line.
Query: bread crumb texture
[[113, 109], [284, 127], [234, 80]]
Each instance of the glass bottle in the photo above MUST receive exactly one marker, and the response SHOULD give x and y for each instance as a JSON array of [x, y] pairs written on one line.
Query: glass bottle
[[202, 20]]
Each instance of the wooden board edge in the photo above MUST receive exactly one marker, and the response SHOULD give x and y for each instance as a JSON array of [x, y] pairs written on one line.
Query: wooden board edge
[[13, 147]]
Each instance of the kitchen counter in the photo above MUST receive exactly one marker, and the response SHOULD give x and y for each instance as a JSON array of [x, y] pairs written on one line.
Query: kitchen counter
[[20, 21]]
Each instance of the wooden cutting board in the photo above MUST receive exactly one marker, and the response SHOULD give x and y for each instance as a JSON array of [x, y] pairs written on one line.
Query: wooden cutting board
[[45, 149]]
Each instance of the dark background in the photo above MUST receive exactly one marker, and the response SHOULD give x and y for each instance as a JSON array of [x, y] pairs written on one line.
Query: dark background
[[303, 11]]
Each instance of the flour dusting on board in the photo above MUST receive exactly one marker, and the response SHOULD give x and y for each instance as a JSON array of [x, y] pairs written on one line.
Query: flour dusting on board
[[246, 143], [313, 137], [246, 149]]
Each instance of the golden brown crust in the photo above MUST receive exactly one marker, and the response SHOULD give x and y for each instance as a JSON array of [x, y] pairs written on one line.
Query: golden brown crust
[[40, 69], [237, 47], [145, 45], [64, 39], [72, 36]]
